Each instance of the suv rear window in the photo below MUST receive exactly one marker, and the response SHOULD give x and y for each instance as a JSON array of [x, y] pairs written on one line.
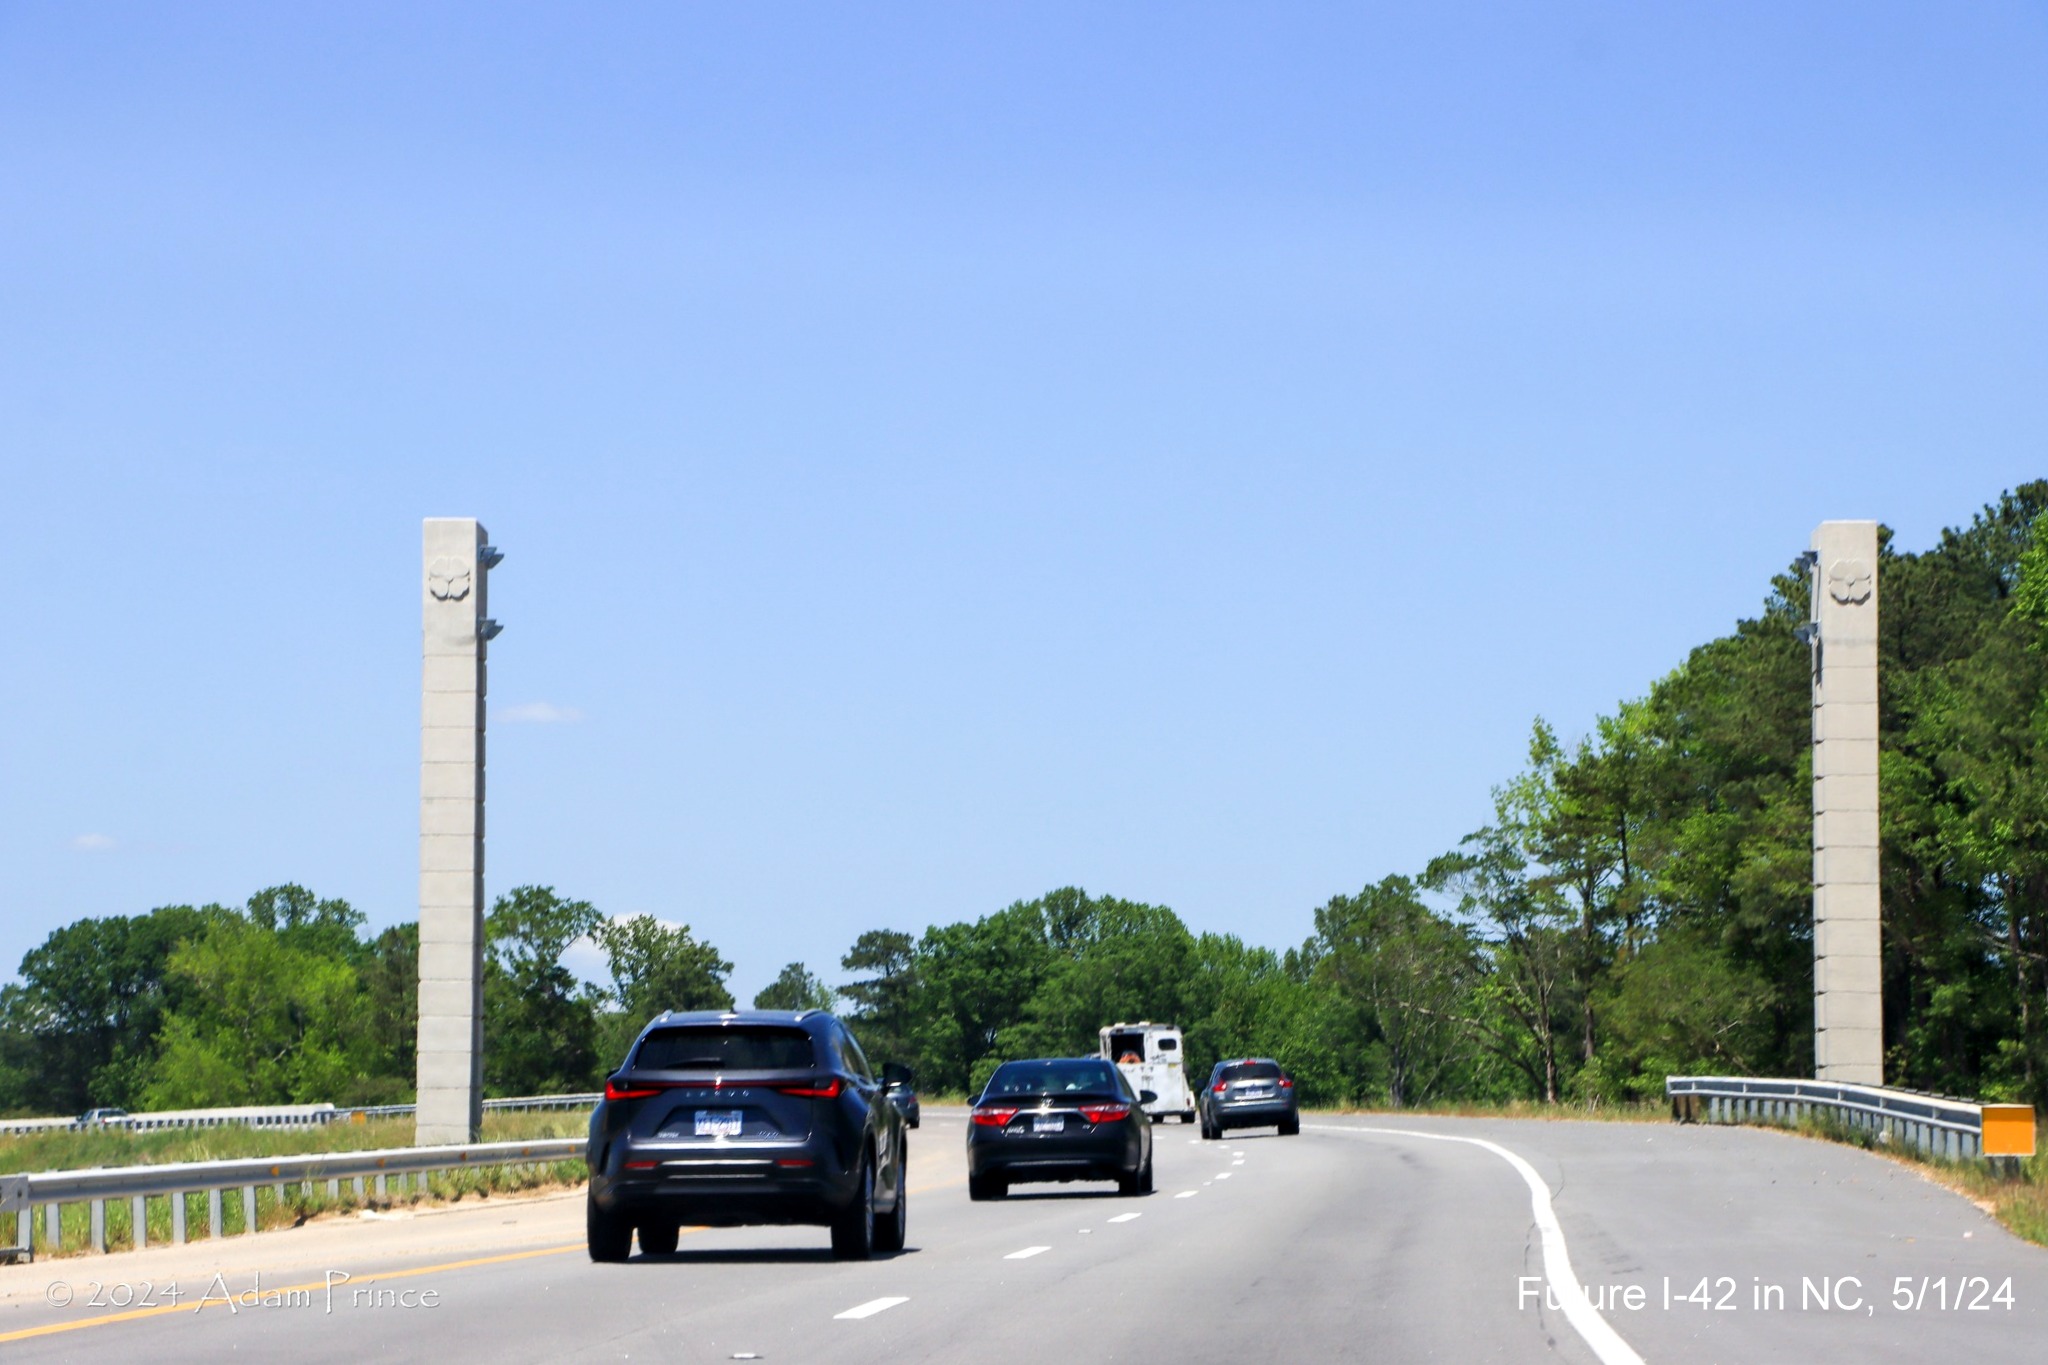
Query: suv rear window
[[1250, 1071], [1055, 1078], [715, 1048]]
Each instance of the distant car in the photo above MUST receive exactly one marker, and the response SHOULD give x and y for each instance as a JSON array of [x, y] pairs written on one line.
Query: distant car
[[104, 1116], [1251, 1093], [756, 1116], [1069, 1118], [905, 1099]]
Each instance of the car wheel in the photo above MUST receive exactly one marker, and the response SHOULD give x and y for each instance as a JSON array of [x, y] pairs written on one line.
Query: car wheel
[[1187, 1116], [987, 1187], [1210, 1132], [658, 1237], [1290, 1126], [853, 1231], [1145, 1177], [610, 1235], [891, 1229]]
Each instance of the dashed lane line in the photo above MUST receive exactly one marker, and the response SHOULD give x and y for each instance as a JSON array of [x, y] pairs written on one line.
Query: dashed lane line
[[1026, 1254], [1557, 1263], [871, 1307], [1187, 1194], [1126, 1217]]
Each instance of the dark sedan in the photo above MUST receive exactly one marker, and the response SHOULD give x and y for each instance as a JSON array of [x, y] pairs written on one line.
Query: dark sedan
[[761, 1116], [1251, 1093], [1058, 1119]]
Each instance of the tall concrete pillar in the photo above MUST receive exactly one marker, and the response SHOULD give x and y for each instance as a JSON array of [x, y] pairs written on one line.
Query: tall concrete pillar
[[1848, 1002], [455, 630]]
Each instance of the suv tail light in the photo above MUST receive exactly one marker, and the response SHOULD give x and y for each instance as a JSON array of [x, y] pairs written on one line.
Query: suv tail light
[[1286, 1083], [1221, 1086], [1104, 1113], [615, 1089], [995, 1115], [829, 1090]]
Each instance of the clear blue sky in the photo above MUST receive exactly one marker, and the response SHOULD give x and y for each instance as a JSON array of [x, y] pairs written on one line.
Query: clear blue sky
[[949, 452]]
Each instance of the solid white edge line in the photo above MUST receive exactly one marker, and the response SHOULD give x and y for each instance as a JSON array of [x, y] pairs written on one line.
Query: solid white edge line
[[870, 1308], [1025, 1254], [1557, 1262]]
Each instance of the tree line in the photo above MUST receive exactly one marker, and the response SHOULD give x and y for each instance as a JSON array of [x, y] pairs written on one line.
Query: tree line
[[1638, 905]]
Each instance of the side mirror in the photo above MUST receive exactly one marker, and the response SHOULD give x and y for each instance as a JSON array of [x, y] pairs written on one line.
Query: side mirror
[[1147, 1097], [895, 1075]]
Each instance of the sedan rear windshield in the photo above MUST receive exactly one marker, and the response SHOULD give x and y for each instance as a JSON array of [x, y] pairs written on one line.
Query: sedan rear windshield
[[713, 1048], [1054, 1078], [1251, 1071]]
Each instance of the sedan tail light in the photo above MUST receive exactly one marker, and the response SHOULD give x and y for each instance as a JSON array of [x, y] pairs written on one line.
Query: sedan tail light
[[995, 1115], [1105, 1113], [829, 1090]]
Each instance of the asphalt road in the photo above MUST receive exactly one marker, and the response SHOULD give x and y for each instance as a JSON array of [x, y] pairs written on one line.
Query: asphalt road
[[1351, 1241]]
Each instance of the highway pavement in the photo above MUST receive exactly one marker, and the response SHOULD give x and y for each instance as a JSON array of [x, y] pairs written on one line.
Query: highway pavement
[[1384, 1238]]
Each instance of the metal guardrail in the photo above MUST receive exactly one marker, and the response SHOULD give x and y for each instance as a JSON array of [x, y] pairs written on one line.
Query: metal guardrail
[[1935, 1125], [277, 1116], [51, 1190]]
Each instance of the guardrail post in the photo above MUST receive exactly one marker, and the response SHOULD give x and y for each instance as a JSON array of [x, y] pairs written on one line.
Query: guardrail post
[[359, 1188], [248, 1209], [380, 1184], [138, 1219], [99, 1225], [213, 1219], [25, 1229], [178, 1218]]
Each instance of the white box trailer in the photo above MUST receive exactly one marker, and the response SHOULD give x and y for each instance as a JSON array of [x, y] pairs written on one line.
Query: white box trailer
[[1150, 1056]]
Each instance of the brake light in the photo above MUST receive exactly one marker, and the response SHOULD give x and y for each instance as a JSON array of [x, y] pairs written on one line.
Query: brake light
[[1222, 1086], [641, 1165], [1286, 1084], [828, 1091], [995, 1116], [614, 1090], [1104, 1113]]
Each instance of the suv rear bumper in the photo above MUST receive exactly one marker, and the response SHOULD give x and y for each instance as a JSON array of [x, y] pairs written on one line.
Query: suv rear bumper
[[728, 1188], [1252, 1113]]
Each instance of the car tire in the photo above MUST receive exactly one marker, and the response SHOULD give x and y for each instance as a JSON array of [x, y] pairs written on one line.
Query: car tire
[[892, 1227], [1145, 1177], [610, 1235], [1187, 1116], [987, 1187], [1291, 1126], [658, 1237], [1210, 1132], [853, 1231]]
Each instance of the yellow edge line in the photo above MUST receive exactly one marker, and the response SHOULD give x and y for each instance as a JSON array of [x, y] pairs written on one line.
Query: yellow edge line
[[134, 1314], [52, 1329]]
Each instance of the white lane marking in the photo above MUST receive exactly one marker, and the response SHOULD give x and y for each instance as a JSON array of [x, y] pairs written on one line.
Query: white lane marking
[[1126, 1217], [1557, 1262], [1223, 1175], [1187, 1194], [871, 1307], [1026, 1254]]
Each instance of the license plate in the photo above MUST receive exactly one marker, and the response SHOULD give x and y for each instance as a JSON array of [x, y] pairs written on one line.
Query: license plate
[[718, 1123], [1048, 1123]]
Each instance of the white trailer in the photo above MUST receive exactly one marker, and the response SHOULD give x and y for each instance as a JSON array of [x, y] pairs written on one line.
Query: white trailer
[[1150, 1056]]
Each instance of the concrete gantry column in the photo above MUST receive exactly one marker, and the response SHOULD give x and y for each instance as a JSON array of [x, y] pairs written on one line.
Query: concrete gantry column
[[1848, 1004], [455, 630]]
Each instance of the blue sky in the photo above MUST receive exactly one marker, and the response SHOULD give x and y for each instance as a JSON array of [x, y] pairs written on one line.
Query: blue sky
[[949, 452]]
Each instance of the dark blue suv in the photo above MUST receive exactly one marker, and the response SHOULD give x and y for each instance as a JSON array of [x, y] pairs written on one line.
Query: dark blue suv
[[759, 1116]]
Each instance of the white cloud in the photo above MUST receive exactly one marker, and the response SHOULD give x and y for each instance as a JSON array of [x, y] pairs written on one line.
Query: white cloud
[[538, 713], [92, 843]]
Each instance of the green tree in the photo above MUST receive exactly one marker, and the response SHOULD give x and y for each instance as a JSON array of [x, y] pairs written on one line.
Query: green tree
[[795, 989], [881, 997], [655, 967], [540, 1025]]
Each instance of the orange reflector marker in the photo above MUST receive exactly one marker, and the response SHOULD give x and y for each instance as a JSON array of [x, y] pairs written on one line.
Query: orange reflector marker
[[2008, 1129]]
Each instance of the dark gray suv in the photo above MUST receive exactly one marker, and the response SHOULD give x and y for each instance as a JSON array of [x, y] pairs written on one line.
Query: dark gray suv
[[1250, 1093], [758, 1116]]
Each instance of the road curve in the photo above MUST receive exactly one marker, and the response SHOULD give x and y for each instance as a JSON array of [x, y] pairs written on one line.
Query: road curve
[[1363, 1238]]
